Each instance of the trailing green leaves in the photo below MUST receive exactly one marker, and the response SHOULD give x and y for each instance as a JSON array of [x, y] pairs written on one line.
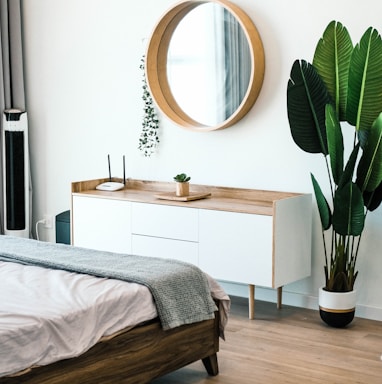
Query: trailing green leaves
[[149, 138]]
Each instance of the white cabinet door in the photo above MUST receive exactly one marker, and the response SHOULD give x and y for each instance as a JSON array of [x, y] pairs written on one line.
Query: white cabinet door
[[236, 246], [102, 224], [167, 248], [164, 221]]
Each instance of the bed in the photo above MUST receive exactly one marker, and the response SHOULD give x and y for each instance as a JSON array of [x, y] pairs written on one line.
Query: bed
[[113, 346]]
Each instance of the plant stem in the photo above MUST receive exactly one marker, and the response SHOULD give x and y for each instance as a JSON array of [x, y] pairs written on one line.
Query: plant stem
[[329, 177]]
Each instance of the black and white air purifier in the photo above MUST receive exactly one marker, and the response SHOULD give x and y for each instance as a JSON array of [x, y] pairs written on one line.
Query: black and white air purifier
[[16, 173]]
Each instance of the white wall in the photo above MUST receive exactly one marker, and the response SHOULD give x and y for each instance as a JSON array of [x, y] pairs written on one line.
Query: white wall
[[84, 101]]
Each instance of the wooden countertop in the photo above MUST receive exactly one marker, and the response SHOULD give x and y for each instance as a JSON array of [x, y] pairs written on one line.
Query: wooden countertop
[[241, 200]]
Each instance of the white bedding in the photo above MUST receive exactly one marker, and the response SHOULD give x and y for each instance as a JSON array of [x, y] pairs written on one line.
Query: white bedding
[[42, 321], [48, 315]]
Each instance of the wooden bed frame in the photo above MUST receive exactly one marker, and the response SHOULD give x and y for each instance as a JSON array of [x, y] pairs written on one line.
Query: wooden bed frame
[[136, 356]]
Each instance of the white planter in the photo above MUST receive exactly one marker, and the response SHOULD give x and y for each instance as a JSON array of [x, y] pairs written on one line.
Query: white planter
[[337, 308]]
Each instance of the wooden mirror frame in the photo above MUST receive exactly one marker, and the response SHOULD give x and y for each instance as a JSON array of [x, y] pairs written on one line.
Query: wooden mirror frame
[[156, 64]]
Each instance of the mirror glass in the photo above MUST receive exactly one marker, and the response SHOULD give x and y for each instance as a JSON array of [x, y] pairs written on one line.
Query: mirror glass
[[209, 64]]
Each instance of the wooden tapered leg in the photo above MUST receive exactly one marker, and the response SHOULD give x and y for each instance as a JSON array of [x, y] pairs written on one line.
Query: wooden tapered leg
[[251, 301], [279, 297], [211, 364]]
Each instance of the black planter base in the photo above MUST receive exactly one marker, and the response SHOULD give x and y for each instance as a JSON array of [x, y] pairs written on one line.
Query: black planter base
[[337, 319]]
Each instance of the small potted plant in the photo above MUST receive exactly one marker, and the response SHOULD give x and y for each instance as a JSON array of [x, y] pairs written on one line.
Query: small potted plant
[[182, 184], [343, 84]]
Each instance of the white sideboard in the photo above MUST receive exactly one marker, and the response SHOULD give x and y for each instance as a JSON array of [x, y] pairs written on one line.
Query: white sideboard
[[237, 235]]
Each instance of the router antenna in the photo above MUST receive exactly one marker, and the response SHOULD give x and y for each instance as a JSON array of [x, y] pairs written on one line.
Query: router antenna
[[112, 186], [124, 172], [108, 161]]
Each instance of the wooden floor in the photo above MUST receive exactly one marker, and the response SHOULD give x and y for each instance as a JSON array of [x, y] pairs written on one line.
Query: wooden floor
[[291, 345]]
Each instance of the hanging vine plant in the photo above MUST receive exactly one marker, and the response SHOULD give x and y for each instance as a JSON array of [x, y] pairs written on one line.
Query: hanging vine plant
[[149, 139]]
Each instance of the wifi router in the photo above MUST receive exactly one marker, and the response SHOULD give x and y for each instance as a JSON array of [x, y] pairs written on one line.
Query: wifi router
[[112, 186]]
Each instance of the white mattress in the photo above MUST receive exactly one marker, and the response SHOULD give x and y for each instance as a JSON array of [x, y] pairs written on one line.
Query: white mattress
[[42, 321]]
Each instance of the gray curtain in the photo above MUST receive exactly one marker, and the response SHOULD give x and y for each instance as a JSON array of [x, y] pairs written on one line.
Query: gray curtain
[[238, 63], [11, 69]]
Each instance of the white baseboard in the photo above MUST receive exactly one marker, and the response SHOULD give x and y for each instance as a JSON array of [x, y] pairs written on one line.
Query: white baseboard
[[295, 299]]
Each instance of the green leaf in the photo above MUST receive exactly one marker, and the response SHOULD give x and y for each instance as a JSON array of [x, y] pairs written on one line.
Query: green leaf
[[348, 212], [322, 204], [182, 178], [347, 175], [369, 171], [307, 97], [372, 200], [335, 143], [339, 283], [331, 59], [364, 101]]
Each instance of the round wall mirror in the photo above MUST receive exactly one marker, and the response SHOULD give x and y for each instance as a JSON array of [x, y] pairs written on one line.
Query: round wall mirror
[[205, 64]]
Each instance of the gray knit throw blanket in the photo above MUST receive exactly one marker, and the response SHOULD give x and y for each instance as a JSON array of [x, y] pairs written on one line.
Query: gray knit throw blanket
[[180, 290]]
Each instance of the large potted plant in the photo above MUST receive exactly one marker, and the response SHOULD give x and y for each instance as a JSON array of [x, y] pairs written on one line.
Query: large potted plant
[[343, 85]]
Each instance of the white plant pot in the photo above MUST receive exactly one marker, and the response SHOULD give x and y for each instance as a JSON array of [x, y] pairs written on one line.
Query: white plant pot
[[337, 308]]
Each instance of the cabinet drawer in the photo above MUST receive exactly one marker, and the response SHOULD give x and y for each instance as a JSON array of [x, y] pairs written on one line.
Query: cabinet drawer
[[236, 247], [164, 221], [160, 247]]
